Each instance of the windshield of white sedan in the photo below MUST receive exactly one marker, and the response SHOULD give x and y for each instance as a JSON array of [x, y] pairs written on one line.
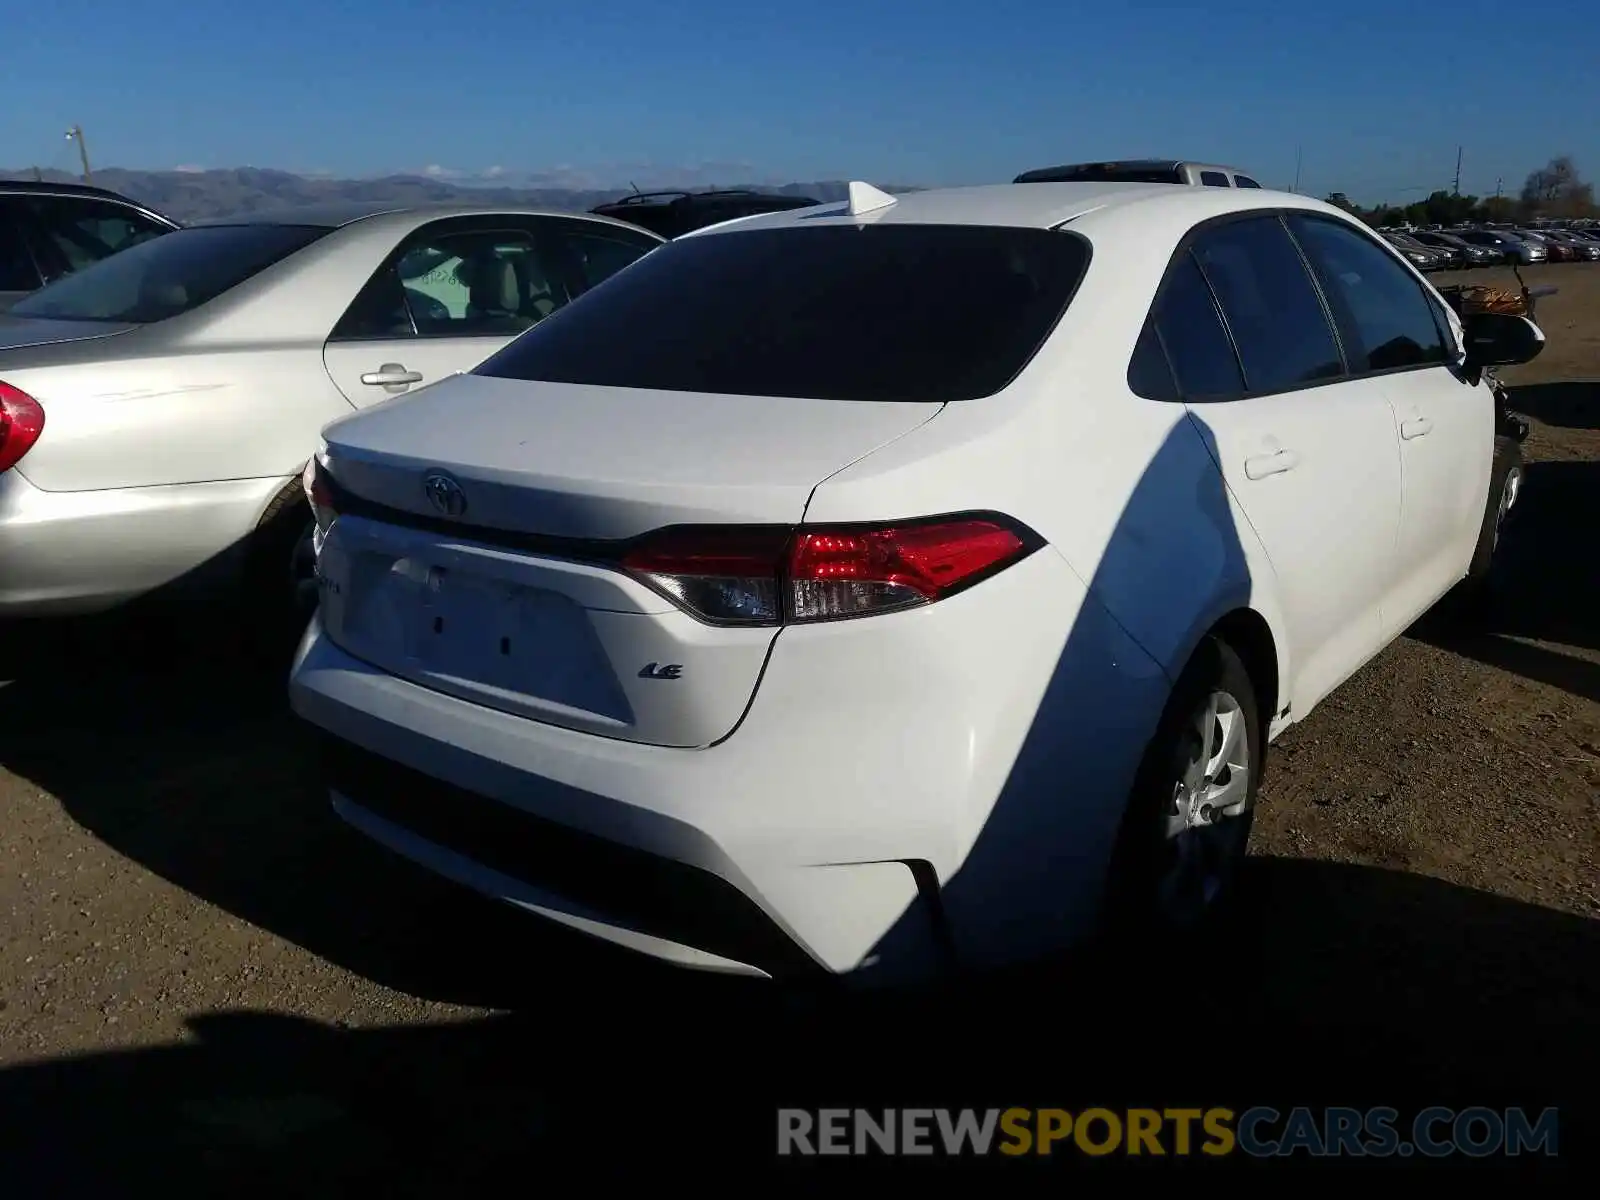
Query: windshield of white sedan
[[917, 313], [168, 275]]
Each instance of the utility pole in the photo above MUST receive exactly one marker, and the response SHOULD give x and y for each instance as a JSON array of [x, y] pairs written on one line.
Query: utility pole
[[1296, 187], [38, 175], [1458, 171], [75, 134], [1497, 185]]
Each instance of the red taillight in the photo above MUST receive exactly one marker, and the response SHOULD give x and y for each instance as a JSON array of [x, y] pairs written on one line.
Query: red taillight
[[769, 576], [21, 420]]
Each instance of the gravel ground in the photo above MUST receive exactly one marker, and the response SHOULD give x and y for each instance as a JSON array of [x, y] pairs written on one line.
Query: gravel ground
[[305, 1012]]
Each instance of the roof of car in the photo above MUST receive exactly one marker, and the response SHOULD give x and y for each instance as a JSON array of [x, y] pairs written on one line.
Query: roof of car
[[1036, 205], [335, 216], [35, 187]]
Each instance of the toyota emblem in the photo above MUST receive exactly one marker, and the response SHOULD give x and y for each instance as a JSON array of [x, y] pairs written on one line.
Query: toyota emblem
[[444, 494]]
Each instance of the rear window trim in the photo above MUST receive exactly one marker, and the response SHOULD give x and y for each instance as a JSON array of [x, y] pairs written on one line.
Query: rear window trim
[[1070, 295]]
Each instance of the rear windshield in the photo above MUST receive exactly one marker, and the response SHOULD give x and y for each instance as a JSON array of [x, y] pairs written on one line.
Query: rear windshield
[[845, 312], [168, 275]]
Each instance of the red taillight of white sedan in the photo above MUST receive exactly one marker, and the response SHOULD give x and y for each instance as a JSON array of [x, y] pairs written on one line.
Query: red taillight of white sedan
[[786, 576]]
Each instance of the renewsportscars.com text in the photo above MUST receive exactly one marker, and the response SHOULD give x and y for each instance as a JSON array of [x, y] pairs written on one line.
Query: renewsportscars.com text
[[1210, 1132]]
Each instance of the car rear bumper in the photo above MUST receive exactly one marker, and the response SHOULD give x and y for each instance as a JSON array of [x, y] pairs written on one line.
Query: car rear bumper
[[949, 797], [80, 552]]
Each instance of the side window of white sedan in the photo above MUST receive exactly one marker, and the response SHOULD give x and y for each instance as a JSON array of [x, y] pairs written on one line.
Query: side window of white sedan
[[1384, 315], [488, 283]]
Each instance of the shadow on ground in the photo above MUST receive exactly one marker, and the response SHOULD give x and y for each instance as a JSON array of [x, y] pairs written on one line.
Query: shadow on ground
[[174, 746], [1569, 405], [1547, 585], [1348, 985]]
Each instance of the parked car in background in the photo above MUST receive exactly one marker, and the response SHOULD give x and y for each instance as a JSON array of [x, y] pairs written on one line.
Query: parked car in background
[[156, 408], [1422, 257], [1554, 251], [1470, 255], [48, 230], [1582, 249], [1147, 170], [673, 214], [590, 609], [1519, 250]]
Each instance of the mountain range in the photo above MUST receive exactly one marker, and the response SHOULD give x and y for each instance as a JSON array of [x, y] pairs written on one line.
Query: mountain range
[[188, 194]]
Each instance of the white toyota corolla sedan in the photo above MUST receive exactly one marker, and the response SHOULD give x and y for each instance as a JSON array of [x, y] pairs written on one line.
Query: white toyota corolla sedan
[[900, 583]]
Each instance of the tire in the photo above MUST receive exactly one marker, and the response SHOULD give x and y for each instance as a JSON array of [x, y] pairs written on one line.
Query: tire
[[1475, 594], [1141, 894], [279, 588]]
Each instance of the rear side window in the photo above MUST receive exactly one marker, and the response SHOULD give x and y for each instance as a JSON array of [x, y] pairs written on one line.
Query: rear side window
[[168, 275], [17, 272], [1270, 304], [914, 313], [1214, 179], [1385, 318], [1202, 357], [79, 232]]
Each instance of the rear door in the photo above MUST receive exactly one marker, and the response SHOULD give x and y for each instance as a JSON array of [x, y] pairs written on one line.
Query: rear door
[[1397, 335], [459, 289], [1308, 453]]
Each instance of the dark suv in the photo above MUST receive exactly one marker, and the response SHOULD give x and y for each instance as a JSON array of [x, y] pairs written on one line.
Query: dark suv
[[673, 214], [48, 230]]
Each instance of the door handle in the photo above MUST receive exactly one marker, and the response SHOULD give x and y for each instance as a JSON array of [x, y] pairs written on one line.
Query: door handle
[[391, 375], [1415, 428], [1276, 463]]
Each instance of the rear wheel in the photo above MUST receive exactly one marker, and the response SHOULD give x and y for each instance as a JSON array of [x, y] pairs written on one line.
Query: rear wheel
[[280, 584], [1187, 824]]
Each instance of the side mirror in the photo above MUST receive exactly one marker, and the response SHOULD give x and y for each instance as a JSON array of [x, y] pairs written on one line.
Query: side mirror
[[1500, 339]]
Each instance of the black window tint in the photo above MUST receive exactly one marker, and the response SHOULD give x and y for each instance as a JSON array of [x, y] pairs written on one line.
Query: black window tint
[[1197, 345], [1149, 374], [1213, 179], [17, 272], [1384, 315], [80, 231], [599, 254], [1270, 304], [1245, 181], [168, 275], [873, 312]]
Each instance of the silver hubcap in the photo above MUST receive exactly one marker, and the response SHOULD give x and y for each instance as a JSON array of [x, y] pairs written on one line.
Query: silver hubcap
[[303, 571], [1204, 837]]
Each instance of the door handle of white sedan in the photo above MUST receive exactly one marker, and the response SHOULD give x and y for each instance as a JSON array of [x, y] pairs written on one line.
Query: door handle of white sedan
[[391, 375], [1276, 463], [1415, 428]]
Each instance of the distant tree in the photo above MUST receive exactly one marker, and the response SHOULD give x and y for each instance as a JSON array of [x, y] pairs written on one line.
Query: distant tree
[[1498, 208], [1557, 190], [1340, 200]]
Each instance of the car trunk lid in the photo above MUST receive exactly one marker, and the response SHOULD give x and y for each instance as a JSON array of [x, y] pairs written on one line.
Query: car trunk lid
[[503, 585]]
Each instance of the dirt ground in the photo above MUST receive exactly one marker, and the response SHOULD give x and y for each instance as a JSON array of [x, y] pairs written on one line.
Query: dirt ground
[[203, 976]]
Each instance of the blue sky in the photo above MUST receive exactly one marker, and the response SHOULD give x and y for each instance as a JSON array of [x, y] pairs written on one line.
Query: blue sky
[[929, 93]]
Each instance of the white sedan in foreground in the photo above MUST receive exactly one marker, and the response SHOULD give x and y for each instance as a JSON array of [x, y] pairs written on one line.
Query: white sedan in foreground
[[923, 588]]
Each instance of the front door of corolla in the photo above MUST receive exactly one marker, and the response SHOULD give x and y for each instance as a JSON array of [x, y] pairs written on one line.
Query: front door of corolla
[[1308, 454], [459, 289], [1398, 334]]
